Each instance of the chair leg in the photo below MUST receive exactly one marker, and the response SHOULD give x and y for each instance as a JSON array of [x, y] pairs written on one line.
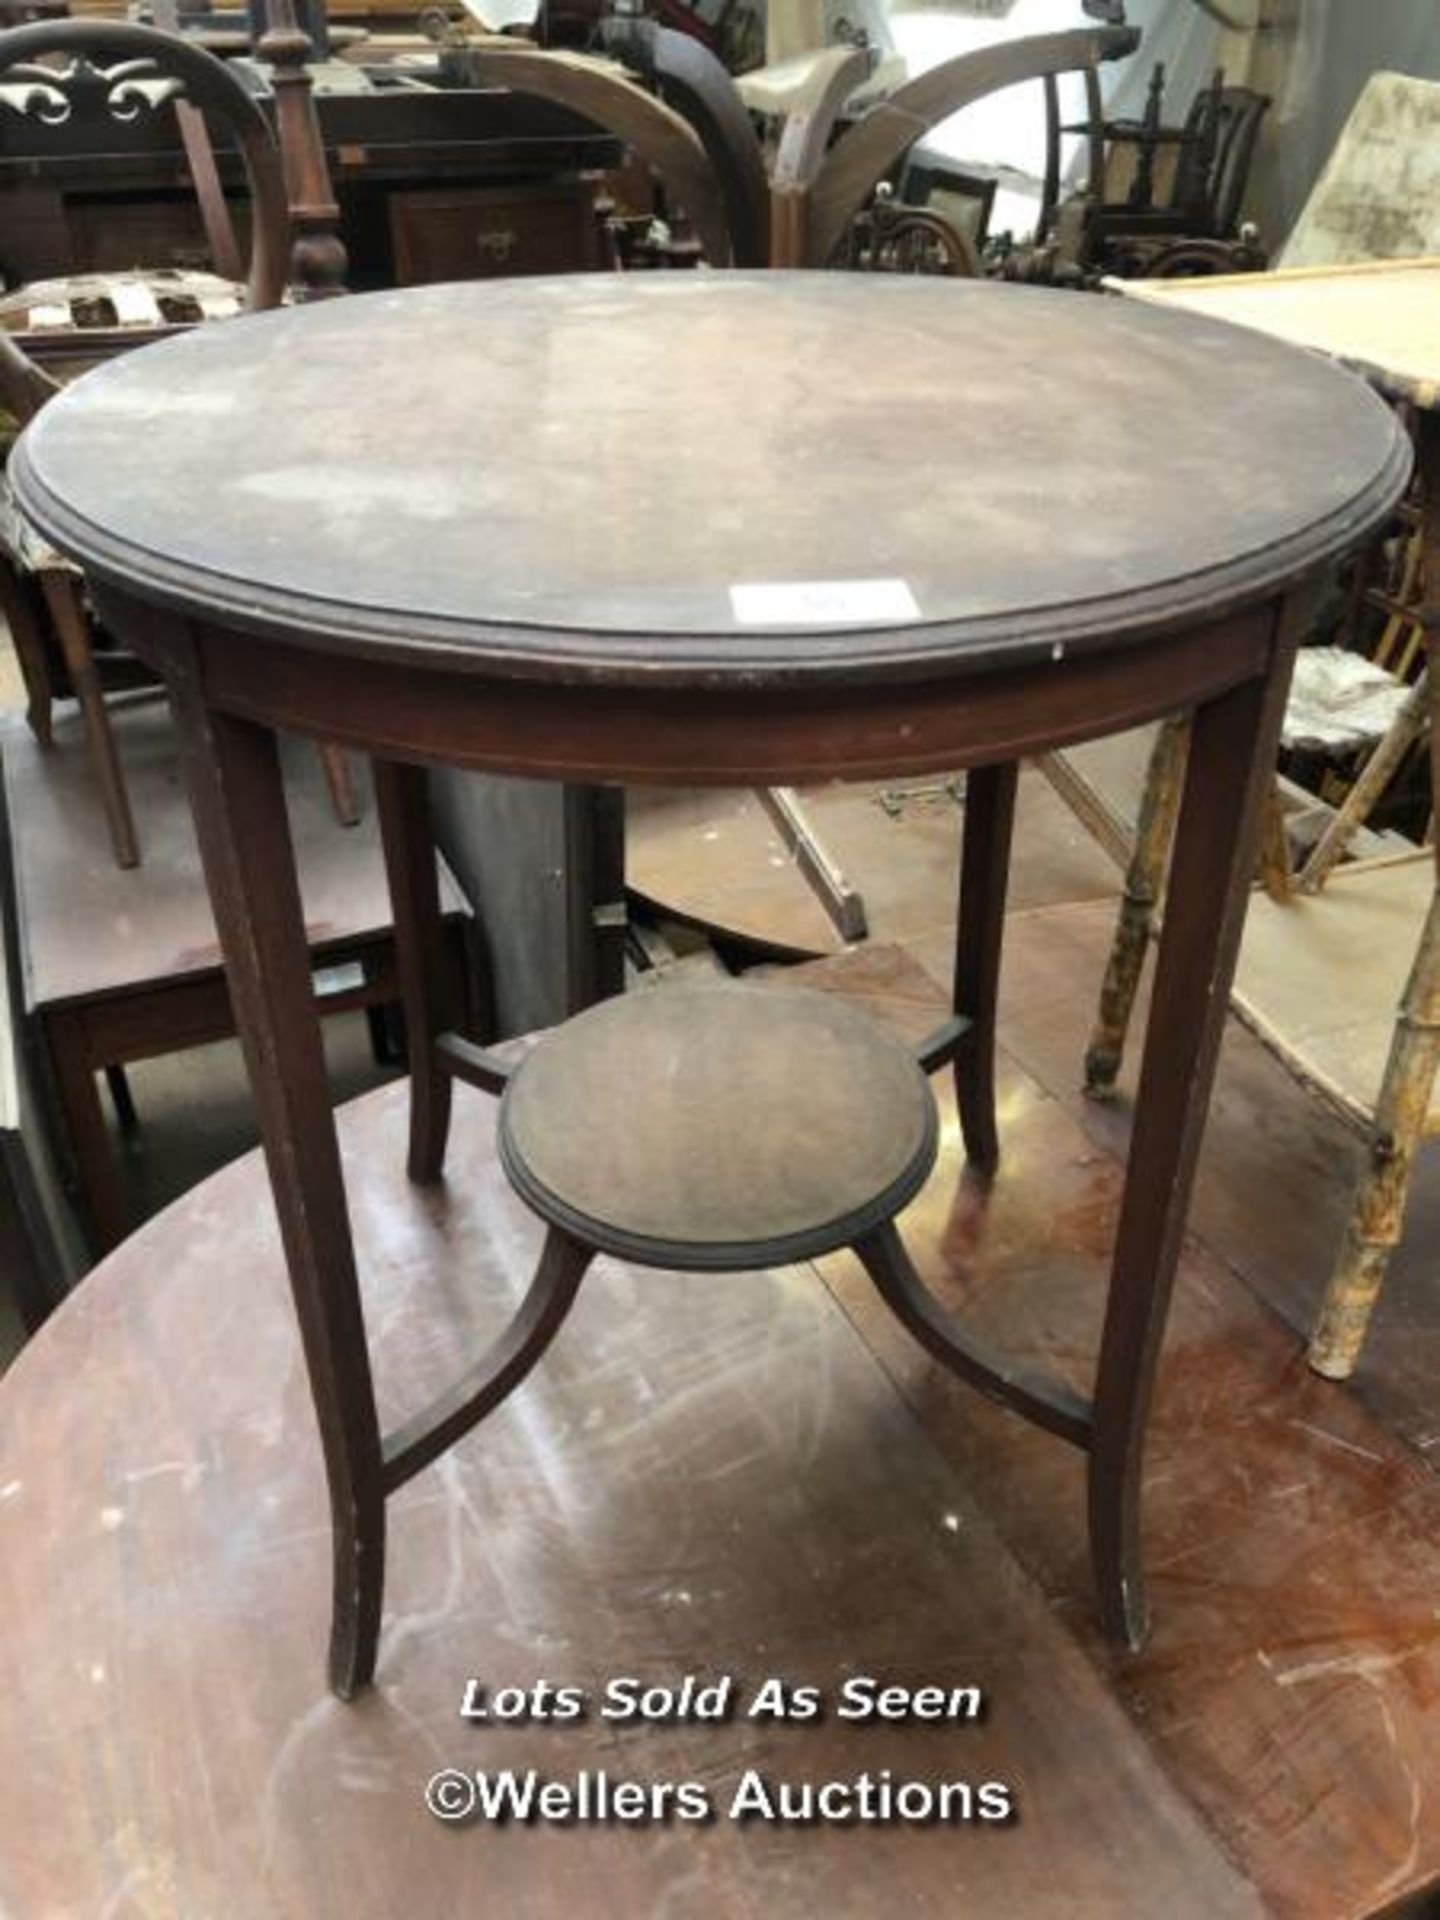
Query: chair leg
[[62, 597], [123, 1101], [343, 797], [1396, 1132], [984, 871], [402, 798], [17, 604], [1144, 880]]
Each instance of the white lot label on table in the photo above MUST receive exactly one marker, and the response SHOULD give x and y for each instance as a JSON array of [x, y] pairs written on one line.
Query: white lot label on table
[[814, 603]]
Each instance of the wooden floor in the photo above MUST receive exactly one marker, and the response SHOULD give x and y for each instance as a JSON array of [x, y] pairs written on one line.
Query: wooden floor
[[754, 1476]]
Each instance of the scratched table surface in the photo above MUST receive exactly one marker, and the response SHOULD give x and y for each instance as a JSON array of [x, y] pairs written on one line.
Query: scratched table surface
[[700, 1478], [900, 477], [1381, 317], [774, 1479]]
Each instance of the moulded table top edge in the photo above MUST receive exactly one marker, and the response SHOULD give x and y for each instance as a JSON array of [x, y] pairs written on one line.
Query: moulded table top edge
[[597, 619], [1102, 625]]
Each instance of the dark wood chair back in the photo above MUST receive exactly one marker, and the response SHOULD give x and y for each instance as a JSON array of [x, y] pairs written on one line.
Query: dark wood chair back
[[61, 73]]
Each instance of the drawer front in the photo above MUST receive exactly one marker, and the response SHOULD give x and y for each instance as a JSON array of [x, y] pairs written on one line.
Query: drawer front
[[477, 233]]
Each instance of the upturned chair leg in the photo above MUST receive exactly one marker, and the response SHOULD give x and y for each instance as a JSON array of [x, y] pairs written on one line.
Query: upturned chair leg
[[1378, 1208], [342, 787], [62, 597], [403, 803], [1144, 883], [984, 871]]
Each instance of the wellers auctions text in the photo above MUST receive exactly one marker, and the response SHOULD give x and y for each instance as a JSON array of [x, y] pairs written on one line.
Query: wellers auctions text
[[530, 1798]]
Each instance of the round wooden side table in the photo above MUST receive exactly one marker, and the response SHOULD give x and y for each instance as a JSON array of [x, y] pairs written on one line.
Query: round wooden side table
[[711, 528]]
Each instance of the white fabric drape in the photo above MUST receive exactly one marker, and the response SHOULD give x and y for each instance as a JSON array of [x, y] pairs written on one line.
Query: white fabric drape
[[1007, 130]]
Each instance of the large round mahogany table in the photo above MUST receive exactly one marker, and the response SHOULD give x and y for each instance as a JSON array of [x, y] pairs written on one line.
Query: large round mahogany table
[[729, 529]]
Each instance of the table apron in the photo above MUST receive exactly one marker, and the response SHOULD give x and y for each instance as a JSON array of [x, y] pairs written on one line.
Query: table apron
[[719, 736]]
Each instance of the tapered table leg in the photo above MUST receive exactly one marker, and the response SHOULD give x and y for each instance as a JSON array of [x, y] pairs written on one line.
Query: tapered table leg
[[984, 873], [403, 800], [233, 771], [1231, 764]]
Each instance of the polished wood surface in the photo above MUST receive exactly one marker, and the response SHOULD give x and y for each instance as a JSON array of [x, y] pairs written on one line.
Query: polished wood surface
[[639, 1509], [683, 515], [680, 1127], [643, 1473]]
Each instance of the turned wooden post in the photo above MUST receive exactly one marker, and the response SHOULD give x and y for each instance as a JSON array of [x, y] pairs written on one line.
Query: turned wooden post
[[317, 253]]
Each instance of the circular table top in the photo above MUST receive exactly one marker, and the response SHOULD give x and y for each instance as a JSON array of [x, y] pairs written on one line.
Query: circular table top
[[719, 1127], [692, 477]]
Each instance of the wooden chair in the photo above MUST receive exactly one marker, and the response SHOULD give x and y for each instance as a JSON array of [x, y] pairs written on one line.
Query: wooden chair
[[55, 72], [1170, 196]]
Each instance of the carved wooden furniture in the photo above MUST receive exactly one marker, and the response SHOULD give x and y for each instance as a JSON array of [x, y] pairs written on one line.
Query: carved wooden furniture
[[124, 71], [1182, 216], [288, 196], [1366, 1041], [87, 197], [893, 611], [700, 143], [701, 1467]]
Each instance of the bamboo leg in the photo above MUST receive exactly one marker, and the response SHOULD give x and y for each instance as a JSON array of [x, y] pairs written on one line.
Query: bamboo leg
[[1144, 881], [1378, 1210], [1404, 1099], [1276, 875], [1404, 594], [62, 597]]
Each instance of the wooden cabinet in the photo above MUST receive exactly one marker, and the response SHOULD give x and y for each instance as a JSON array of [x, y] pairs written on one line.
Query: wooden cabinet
[[475, 233]]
